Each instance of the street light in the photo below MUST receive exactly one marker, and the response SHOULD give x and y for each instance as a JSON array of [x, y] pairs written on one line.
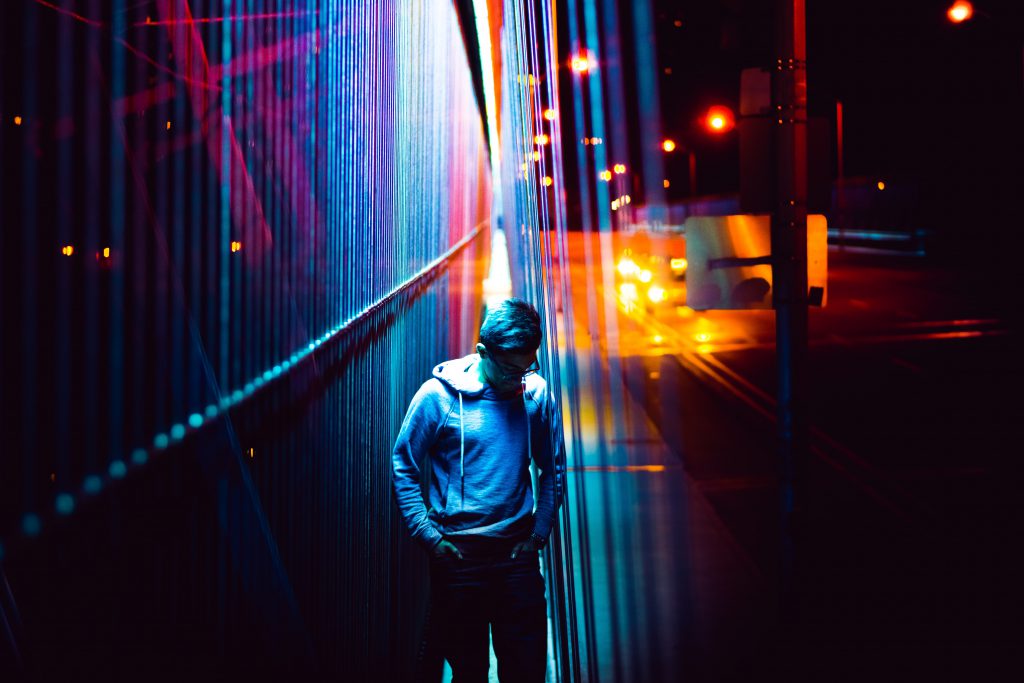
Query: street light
[[668, 145], [960, 11], [583, 63], [719, 119]]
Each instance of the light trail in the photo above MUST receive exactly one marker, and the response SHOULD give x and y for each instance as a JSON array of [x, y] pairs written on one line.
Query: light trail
[[266, 16]]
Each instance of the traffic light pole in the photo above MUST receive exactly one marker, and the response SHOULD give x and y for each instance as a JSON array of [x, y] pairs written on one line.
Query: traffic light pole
[[789, 274]]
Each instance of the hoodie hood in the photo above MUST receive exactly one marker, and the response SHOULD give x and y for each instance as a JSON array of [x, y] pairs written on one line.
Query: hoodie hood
[[462, 375]]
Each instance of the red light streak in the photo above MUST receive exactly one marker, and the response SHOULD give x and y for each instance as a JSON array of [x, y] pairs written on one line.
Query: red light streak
[[220, 20], [69, 13]]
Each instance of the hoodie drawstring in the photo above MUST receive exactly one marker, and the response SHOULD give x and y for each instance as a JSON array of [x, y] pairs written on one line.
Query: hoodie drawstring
[[462, 438], [529, 440], [462, 446]]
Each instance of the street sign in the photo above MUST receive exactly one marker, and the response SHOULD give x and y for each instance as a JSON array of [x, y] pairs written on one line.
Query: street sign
[[729, 261]]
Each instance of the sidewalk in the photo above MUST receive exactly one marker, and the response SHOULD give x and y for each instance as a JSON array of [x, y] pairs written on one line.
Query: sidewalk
[[674, 596]]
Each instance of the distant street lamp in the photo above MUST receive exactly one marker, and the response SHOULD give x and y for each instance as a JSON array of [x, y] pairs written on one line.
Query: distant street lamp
[[670, 146], [582, 64], [960, 11]]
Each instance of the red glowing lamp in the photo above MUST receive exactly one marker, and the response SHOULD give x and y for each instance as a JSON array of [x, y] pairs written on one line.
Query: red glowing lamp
[[719, 119], [960, 11]]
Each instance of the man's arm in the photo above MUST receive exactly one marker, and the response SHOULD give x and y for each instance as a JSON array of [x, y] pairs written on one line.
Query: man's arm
[[550, 458], [411, 452]]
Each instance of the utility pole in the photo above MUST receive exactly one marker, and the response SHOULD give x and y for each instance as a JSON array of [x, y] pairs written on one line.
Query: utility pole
[[840, 177], [789, 274]]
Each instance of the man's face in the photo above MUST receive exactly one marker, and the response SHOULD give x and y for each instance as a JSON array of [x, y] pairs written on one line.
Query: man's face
[[505, 370]]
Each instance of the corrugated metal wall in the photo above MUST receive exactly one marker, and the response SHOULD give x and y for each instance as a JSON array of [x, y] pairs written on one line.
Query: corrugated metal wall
[[237, 235], [534, 220]]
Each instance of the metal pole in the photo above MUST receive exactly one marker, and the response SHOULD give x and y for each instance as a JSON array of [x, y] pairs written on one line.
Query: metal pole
[[789, 271], [693, 173], [840, 178]]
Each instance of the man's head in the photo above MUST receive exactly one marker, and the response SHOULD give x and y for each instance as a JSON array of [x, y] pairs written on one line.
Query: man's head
[[509, 339]]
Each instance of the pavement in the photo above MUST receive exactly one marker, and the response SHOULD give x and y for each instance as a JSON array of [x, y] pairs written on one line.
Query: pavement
[[908, 564]]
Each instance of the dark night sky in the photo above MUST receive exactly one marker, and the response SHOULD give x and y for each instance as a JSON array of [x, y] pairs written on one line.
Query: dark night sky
[[921, 96]]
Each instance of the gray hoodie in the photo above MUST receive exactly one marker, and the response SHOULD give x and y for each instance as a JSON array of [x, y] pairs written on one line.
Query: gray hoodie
[[476, 447]]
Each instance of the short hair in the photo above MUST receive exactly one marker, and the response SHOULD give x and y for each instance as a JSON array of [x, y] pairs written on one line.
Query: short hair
[[513, 326]]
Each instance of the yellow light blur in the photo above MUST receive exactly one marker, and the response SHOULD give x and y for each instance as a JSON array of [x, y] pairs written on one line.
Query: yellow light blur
[[541, 139], [619, 168], [684, 311], [524, 166], [548, 181], [168, 125], [678, 264], [881, 185], [702, 337], [67, 250], [550, 114], [704, 348], [716, 122], [627, 267], [668, 145], [582, 64], [627, 290], [536, 156], [106, 252], [615, 205], [655, 293], [664, 183], [657, 339], [236, 246], [645, 276], [960, 11], [595, 141], [628, 199], [251, 453], [17, 120]]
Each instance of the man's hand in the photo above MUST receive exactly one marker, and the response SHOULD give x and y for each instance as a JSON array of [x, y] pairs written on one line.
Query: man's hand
[[445, 548], [526, 546]]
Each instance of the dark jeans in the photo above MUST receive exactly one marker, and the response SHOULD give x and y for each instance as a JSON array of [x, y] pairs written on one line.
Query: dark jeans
[[487, 587]]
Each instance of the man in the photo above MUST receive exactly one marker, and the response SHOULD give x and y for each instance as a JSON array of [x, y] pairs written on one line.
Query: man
[[472, 430]]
